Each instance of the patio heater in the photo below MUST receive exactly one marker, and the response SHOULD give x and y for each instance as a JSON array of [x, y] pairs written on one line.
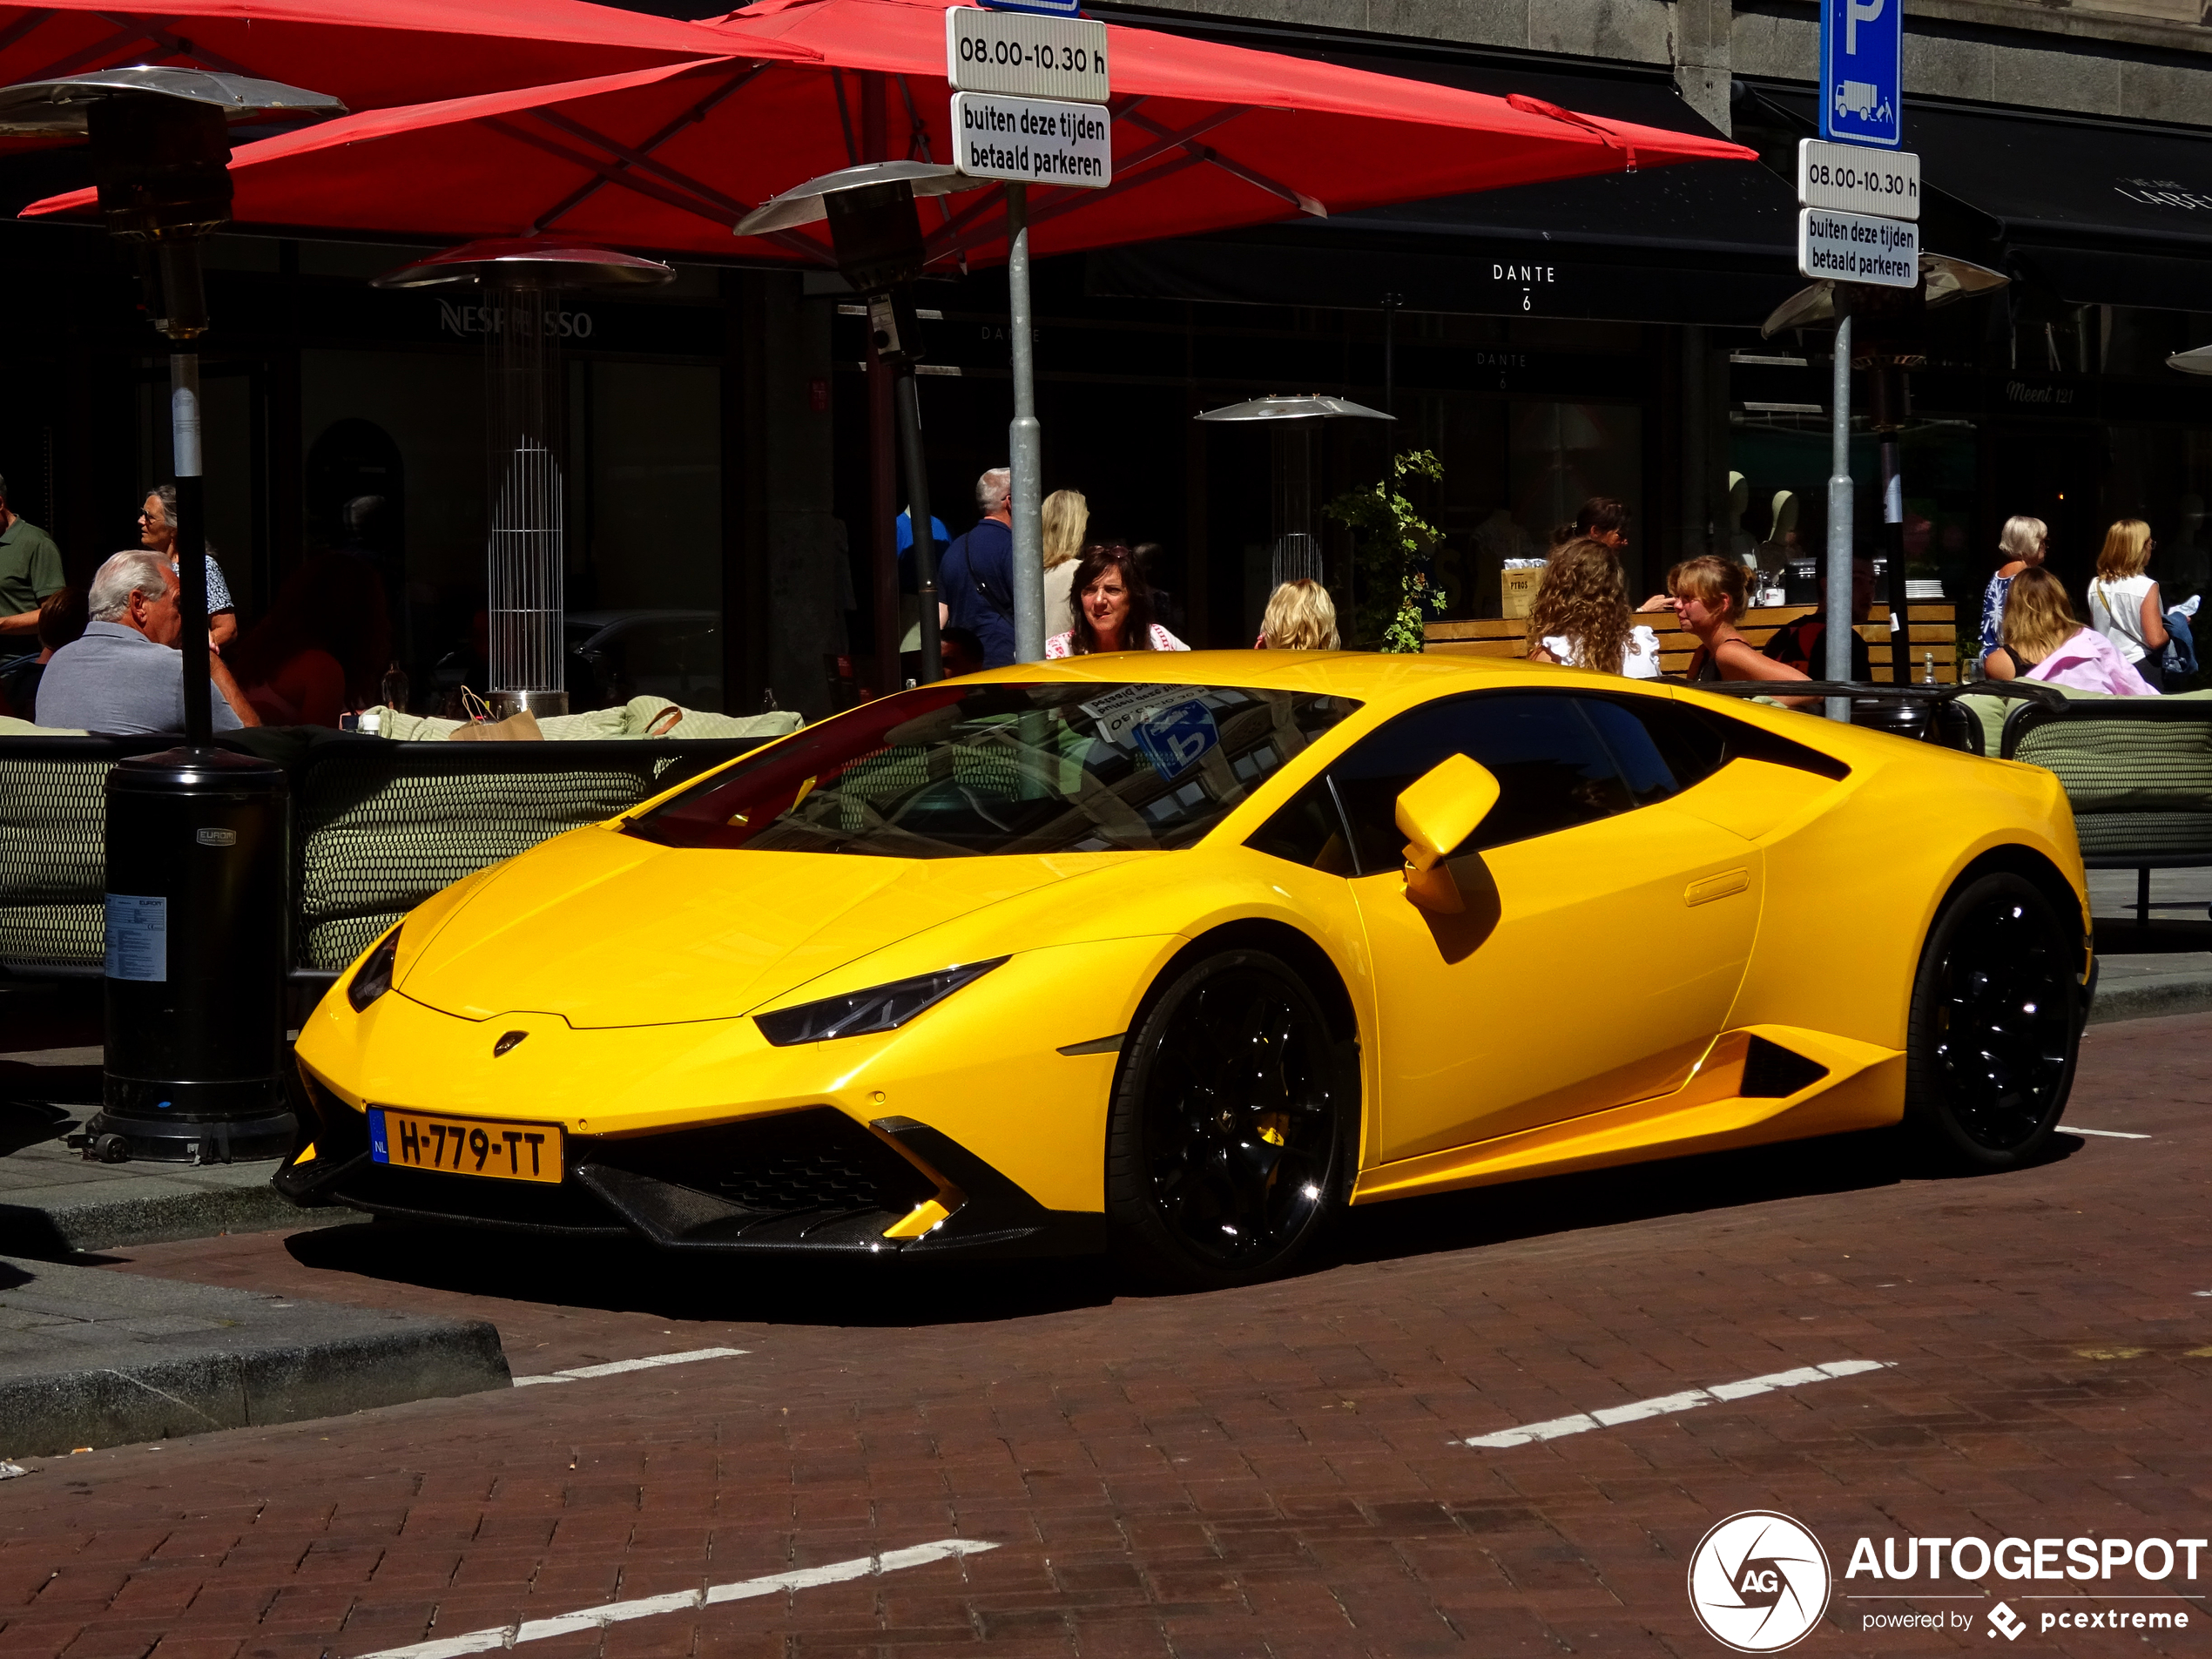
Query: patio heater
[[877, 236], [197, 874], [525, 494], [1294, 540]]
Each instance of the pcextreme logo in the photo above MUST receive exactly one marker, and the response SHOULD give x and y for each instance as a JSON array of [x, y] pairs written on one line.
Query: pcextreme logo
[[1758, 1582]]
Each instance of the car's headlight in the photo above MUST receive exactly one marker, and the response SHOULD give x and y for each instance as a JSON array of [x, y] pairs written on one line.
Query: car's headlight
[[881, 1008], [373, 977]]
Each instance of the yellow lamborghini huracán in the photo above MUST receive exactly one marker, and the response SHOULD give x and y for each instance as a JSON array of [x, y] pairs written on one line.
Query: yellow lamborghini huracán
[[1176, 955]]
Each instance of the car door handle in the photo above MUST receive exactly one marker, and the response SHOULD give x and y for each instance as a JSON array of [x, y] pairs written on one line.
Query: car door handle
[[1705, 889]]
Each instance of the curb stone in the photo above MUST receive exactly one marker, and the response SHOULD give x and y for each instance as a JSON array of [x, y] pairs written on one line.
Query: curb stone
[[92, 1357]]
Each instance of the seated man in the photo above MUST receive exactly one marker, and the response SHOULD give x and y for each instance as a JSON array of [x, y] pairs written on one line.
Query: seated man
[[125, 676], [1804, 643]]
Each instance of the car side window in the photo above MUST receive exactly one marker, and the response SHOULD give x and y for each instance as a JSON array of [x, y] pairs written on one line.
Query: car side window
[[1554, 769], [1660, 747], [1307, 830]]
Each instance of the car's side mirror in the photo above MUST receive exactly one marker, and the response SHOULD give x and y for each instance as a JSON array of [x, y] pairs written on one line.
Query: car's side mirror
[[1437, 811]]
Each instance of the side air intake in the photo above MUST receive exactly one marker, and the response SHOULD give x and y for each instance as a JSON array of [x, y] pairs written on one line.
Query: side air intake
[[1772, 1072]]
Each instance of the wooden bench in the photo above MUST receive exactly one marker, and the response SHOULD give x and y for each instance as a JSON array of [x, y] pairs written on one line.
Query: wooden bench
[[1931, 626]]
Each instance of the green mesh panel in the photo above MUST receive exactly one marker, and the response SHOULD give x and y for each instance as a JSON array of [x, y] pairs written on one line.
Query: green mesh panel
[[2149, 836], [53, 828], [377, 829], [70, 933], [376, 841], [2130, 766]]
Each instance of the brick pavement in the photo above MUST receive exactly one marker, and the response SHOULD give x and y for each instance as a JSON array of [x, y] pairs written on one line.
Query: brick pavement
[[1271, 1472]]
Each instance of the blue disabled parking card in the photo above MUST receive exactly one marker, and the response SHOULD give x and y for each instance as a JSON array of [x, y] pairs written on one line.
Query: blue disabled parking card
[[1174, 739]]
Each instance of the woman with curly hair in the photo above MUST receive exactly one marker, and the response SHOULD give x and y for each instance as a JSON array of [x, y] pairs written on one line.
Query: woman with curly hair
[[1581, 617]]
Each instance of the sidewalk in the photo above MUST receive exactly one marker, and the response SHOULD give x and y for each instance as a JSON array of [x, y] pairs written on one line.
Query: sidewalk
[[89, 1357], [2163, 968], [55, 1204]]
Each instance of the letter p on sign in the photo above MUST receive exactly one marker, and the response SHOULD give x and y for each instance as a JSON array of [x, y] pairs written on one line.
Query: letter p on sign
[[1855, 13]]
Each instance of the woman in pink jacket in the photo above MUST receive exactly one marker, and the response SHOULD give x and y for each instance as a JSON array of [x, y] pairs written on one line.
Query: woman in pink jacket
[[2045, 641]]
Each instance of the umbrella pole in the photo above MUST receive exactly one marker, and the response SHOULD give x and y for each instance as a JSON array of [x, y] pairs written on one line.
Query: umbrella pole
[[1025, 440], [933, 662], [190, 545]]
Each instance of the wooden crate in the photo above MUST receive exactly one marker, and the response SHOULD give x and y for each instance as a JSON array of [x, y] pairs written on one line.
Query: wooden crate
[[1931, 629]]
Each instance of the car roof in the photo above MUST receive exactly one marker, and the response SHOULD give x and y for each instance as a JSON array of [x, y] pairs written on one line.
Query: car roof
[[1367, 675]]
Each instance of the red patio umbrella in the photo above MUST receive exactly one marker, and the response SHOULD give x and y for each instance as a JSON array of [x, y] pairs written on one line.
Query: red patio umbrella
[[368, 54], [1206, 137]]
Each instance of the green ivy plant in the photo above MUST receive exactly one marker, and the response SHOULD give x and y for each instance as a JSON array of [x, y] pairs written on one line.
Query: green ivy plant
[[1390, 541]]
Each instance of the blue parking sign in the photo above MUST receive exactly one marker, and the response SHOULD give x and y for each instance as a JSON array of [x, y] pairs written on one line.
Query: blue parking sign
[[1862, 78]]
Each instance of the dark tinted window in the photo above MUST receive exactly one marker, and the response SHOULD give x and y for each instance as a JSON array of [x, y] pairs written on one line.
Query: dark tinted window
[[1554, 771], [1308, 831], [968, 769], [1661, 748]]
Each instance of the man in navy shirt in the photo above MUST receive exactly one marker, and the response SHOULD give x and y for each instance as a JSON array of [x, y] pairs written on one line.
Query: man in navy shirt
[[975, 577]]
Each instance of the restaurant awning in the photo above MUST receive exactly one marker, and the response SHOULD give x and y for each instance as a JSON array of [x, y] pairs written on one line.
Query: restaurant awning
[[1711, 242], [2101, 212]]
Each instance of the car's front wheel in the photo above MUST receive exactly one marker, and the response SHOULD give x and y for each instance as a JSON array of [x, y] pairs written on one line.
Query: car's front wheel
[[1995, 1026], [1231, 1131]]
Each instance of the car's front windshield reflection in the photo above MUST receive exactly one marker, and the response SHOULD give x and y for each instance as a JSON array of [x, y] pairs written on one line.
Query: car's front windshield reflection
[[958, 770]]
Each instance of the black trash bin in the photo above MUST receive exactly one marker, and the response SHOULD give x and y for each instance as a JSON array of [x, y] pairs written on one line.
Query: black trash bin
[[198, 919]]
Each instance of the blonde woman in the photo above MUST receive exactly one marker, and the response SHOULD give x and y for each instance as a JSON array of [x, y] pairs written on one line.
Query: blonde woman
[[2023, 543], [1580, 618], [1708, 598], [1067, 520], [1300, 616], [2124, 605], [2045, 641]]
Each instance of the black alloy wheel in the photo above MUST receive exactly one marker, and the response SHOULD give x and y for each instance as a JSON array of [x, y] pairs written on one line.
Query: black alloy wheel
[[1995, 1026], [1227, 1145]]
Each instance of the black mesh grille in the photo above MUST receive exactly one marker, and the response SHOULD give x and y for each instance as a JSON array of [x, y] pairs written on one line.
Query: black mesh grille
[[794, 1163]]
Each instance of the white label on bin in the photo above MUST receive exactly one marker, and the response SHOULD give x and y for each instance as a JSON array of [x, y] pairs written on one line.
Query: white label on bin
[[137, 937]]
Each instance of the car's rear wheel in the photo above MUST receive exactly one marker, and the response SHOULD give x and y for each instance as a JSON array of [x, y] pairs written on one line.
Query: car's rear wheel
[[1995, 1026], [1230, 1136]]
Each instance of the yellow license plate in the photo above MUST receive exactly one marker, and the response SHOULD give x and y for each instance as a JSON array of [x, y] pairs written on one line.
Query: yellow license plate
[[503, 1151]]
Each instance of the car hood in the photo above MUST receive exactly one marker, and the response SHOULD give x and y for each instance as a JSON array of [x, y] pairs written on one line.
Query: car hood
[[605, 929]]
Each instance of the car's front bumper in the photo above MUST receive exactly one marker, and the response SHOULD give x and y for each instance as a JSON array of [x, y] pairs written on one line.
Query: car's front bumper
[[808, 1183]]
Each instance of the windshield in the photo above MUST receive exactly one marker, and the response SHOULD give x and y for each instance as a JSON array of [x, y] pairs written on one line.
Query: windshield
[[953, 771]]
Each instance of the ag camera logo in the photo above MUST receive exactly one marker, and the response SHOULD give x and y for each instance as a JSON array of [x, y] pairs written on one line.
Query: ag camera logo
[[1759, 1582]]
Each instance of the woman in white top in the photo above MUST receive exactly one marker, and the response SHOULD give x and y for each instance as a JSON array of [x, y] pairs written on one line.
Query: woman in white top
[[2124, 605], [1113, 608], [1580, 618], [1067, 521]]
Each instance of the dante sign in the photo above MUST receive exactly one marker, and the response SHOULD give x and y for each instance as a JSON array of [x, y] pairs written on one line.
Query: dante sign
[[1032, 139], [1852, 248]]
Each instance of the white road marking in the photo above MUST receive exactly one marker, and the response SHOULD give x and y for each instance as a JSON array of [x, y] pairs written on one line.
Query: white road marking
[[1668, 1405], [580, 1373], [2109, 1134], [598, 1618]]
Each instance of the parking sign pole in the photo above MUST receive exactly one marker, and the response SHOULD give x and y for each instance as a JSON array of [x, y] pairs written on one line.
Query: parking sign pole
[[1837, 599], [1025, 439]]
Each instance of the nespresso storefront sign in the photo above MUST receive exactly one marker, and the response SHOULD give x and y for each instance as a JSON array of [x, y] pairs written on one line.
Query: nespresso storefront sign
[[468, 322]]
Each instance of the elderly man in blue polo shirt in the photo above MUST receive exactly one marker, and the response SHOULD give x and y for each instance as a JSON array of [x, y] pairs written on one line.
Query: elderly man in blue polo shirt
[[126, 675]]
